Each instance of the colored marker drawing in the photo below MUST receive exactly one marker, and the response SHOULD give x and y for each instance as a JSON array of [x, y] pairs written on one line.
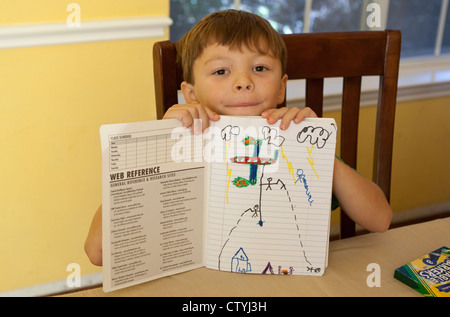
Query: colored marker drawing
[[302, 179], [253, 161], [315, 135], [273, 214], [269, 270]]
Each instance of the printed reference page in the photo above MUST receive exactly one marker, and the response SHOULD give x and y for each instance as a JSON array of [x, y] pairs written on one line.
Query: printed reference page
[[153, 182]]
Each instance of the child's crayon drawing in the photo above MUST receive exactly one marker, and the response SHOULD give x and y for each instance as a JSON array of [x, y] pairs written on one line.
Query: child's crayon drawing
[[240, 262], [274, 199]]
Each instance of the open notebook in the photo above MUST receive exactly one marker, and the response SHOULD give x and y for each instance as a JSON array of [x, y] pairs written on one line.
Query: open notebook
[[245, 197]]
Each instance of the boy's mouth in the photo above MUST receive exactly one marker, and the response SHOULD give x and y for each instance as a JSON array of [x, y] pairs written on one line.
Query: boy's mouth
[[243, 105]]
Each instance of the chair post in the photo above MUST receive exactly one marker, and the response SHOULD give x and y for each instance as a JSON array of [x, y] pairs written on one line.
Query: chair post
[[387, 99], [166, 76], [349, 139]]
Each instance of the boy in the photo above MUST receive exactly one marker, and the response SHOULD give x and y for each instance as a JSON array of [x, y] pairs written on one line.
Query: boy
[[234, 64]]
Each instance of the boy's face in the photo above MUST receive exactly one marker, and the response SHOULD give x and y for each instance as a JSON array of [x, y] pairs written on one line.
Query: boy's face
[[236, 82]]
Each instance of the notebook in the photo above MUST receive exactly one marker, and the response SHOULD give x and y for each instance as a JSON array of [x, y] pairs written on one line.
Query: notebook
[[243, 197]]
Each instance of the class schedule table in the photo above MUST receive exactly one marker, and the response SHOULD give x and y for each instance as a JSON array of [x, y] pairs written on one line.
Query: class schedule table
[[128, 151]]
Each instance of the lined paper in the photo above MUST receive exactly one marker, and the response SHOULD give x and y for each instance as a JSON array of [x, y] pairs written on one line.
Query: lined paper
[[274, 218]]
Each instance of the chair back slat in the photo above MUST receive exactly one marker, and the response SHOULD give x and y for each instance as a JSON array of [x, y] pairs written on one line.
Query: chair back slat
[[349, 137], [314, 95], [350, 119], [340, 54], [167, 74]]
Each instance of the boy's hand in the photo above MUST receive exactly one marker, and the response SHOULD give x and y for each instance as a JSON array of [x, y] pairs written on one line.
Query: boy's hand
[[186, 113], [287, 115]]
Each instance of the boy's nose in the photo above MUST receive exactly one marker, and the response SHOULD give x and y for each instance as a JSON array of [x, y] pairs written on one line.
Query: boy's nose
[[243, 84], [243, 87]]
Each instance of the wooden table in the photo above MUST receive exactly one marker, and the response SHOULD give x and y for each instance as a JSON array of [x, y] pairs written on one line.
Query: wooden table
[[346, 275]]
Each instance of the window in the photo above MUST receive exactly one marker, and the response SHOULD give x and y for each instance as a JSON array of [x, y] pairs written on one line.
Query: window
[[186, 13], [285, 16], [419, 22], [446, 33], [338, 16], [425, 25]]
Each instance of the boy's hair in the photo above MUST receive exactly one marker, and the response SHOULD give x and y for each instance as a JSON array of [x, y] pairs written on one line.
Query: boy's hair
[[231, 28]]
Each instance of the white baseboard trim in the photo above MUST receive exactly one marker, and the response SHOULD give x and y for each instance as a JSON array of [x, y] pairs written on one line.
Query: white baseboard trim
[[56, 287], [420, 212], [29, 35]]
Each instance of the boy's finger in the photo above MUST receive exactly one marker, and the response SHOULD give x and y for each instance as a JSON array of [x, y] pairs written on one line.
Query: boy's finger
[[204, 119], [186, 120], [275, 115], [288, 117], [304, 113], [208, 115], [267, 112], [181, 113], [212, 115]]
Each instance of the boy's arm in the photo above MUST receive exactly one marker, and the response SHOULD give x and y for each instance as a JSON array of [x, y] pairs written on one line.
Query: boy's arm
[[93, 243], [363, 201]]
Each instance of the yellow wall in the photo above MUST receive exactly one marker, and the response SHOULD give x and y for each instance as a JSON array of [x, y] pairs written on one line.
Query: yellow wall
[[32, 11], [421, 166], [52, 102]]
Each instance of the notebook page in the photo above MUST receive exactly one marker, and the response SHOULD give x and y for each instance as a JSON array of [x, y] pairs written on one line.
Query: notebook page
[[270, 196], [153, 181]]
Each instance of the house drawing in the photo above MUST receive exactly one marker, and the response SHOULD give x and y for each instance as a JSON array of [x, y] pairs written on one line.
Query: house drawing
[[240, 263]]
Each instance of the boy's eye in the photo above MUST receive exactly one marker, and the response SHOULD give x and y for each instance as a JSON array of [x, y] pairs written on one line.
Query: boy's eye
[[220, 72], [260, 68]]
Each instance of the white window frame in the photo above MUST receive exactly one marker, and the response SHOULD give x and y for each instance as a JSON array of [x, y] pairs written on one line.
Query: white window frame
[[419, 78]]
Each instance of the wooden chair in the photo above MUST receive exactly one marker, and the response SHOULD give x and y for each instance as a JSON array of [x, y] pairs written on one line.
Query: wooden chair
[[315, 56]]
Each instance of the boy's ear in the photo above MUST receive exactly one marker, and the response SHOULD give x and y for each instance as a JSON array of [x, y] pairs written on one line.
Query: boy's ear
[[282, 92], [188, 92]]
